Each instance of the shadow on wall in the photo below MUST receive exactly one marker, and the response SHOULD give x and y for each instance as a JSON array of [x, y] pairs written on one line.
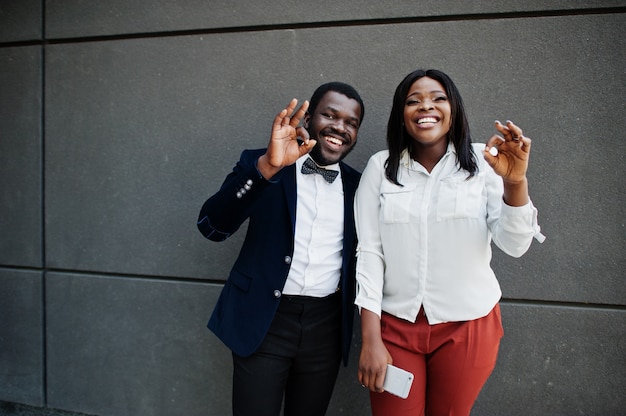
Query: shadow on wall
[[13, 409]]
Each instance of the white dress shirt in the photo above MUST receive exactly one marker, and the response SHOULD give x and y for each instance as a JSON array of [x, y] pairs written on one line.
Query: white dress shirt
[[428, 243], [317, 257]]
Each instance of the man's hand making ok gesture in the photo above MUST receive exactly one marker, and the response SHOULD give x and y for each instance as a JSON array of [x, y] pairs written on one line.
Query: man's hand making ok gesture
[[284, 147]]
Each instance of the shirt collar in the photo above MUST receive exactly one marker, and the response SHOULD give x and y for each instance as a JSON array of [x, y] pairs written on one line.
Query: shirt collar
[[407, 162], [300, 162]]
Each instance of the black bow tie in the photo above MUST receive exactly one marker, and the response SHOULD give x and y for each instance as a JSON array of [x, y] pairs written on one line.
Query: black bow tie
[[309, 166]]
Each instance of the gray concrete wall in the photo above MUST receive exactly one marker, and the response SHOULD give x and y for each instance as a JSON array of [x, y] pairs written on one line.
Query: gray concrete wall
[[117, 120]]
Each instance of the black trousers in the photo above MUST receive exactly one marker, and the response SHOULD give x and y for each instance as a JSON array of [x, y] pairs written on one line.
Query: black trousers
[[297, 362]]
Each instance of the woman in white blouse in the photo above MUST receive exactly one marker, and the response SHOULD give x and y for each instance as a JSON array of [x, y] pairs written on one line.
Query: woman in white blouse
[[427, 210]]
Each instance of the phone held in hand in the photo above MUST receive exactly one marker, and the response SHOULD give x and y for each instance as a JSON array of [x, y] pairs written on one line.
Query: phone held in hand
[[397, 381]]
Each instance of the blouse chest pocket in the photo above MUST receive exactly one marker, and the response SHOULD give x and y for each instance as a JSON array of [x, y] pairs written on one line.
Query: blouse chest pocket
[[395, 202], [460, 197]]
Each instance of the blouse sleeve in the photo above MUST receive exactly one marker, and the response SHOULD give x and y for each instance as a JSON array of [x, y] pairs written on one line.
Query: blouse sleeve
[[370, 267], [512, 228]]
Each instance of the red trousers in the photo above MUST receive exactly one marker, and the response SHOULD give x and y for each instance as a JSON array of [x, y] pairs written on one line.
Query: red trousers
[[451, 363]]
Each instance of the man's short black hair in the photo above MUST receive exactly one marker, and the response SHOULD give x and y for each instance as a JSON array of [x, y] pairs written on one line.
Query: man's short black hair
[[341, 88]]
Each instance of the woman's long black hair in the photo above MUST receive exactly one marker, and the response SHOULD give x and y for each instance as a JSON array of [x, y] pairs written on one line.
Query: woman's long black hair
[[398, 139]]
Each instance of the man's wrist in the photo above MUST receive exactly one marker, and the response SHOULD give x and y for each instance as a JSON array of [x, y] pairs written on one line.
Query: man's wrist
[[265, 169]]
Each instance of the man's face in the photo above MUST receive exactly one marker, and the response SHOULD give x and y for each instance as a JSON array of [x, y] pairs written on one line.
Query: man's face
[[334, 124]]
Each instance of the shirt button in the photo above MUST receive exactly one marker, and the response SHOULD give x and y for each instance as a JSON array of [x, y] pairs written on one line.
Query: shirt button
[[277, 294], [287, 260]]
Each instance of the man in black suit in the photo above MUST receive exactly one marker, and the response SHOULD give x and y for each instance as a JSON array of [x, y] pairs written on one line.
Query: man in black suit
[[286, 310]]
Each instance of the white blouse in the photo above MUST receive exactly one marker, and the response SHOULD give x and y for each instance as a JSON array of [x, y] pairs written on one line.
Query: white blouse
[[428, 243]]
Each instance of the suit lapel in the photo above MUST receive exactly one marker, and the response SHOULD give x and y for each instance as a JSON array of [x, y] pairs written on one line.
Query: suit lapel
[[349, 188], [288, 182]]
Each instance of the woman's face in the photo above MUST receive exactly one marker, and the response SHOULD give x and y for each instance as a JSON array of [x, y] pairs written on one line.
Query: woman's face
[[427, 112]]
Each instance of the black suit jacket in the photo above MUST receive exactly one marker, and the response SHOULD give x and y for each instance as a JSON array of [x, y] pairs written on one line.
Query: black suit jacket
[[250, 297]]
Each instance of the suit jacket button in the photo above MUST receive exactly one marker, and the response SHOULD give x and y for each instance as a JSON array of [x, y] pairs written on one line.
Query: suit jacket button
[[287, 260], [277, 294]]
